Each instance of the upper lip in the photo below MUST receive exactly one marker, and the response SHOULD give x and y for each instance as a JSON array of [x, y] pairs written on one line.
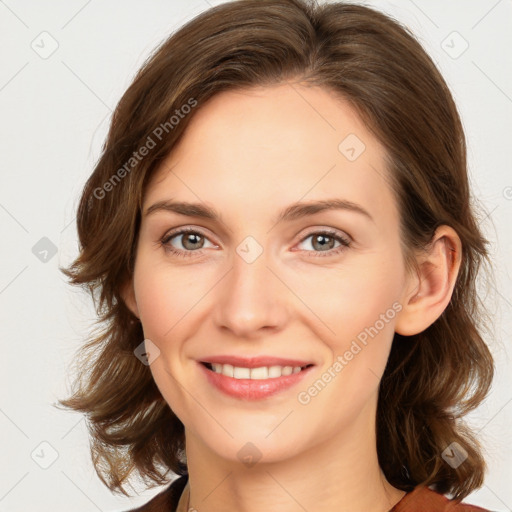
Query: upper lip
[[255, 362]]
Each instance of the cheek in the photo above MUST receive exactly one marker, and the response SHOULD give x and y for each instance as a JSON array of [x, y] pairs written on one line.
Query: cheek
[[164, 298], [359, 305], [165, 295], [354, 296], [157, 304]]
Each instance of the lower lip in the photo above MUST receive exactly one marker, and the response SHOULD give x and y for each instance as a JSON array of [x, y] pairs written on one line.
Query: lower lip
[[253, 389]]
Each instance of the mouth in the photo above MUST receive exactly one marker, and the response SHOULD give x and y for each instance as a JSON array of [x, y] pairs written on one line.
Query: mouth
[[256, 383], [254, 372]]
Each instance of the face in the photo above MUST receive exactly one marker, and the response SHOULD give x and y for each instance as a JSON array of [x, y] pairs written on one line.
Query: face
[[315, 286]]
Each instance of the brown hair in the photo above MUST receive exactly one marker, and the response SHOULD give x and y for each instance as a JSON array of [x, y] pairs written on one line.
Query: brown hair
[[433, 378]]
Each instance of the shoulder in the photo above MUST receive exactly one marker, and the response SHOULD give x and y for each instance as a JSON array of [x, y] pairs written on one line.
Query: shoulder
[[424, 499], [167, 500]]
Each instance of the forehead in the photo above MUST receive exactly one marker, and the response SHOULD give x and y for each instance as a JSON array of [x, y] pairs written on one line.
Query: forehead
[[277, 144]]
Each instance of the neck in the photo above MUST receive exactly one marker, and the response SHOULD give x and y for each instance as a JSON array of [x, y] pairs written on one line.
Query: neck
[[340, 474]]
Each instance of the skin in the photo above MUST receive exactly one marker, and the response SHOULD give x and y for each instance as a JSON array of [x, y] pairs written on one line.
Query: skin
[[249, 154]]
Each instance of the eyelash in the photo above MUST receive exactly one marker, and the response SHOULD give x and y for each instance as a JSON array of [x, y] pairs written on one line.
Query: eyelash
[[345, 243]]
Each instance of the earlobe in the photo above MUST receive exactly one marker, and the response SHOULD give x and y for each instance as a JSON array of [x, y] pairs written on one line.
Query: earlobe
[[128, 296], [430, 291]]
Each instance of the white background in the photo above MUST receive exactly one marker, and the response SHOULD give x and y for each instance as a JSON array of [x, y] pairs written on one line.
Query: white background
[[54, 116]]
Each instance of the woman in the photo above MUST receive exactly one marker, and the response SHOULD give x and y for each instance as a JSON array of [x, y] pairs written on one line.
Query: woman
[[280, 238]]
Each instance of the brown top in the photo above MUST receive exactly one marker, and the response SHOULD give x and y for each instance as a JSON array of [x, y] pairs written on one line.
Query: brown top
[[422, 499]]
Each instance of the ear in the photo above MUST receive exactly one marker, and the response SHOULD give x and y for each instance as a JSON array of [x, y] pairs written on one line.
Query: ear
[[428, 293], [128, 296]]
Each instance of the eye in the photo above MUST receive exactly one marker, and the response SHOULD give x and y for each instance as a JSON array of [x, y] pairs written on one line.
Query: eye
[[191, 240], [324, 240]]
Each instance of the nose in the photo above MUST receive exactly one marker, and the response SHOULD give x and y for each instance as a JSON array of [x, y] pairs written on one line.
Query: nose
[[251, 300]]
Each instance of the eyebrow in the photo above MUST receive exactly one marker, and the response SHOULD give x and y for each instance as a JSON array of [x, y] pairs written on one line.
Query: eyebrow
[[293, 212]]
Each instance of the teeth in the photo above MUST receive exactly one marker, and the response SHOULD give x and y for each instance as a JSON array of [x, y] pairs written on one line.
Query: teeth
[[261, 373]]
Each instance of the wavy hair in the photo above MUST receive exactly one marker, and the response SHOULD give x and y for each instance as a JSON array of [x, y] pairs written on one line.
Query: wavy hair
[[432, 379]]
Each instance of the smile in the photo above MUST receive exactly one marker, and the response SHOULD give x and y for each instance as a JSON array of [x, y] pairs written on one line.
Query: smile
[[261, 373], [253, 383]]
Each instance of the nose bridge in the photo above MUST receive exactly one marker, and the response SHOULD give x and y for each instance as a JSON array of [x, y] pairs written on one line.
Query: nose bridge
[[251, 296]]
